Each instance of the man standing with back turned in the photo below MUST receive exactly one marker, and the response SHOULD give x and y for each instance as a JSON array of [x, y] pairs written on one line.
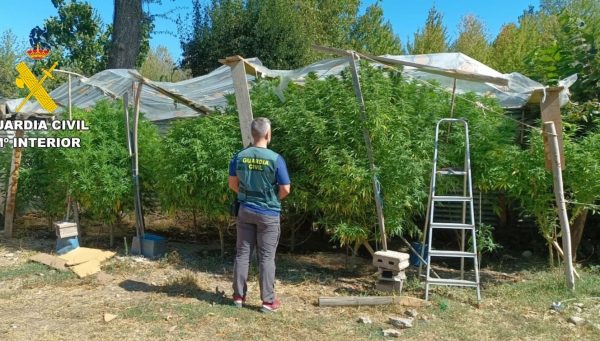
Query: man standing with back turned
[[260, 178]]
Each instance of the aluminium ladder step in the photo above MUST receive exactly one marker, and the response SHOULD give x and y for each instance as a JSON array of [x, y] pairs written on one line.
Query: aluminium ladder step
[[451, 172], [449, 253], [452, 226], [448, 281], [451, 198]]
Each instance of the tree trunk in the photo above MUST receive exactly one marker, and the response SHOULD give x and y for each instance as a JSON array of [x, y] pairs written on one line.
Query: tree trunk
[[550, 253], [577, 231], [76, 217], [112, 235], [11, 196], [357, 245], [503, 217], [222, 240], [112, 229], [293, 238], [126, 35], [195, 222]]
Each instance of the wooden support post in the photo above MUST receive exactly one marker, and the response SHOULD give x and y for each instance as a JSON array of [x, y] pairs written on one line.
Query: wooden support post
[[136, 168], [363, 118], [11, 193], [562, 254], [453, 98], [70, 101], [550, 108], [242, 95], [132, 148], [552, 136], [369, 248]]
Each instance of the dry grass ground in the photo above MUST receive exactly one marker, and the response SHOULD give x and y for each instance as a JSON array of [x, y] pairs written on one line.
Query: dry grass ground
[[185, 297]]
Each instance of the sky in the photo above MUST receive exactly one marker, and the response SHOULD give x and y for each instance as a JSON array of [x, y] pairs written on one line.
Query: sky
[[406, 16]]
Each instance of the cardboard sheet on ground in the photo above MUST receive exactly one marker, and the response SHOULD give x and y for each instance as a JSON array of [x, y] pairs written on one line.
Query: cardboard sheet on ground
[[83, 254], [50, 260], [85, 261], [85, 269]]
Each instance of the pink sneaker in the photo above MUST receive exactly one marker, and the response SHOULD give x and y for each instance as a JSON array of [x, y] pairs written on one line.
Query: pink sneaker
[[270, 307], [239, 301]]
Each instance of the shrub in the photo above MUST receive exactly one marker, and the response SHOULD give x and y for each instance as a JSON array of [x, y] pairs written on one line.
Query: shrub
[[317, 129], [194, 169], [98, 174]]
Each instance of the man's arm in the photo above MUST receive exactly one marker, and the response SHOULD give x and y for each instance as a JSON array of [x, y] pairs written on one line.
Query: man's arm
[[234, 183], [284, 190], [283, 178]]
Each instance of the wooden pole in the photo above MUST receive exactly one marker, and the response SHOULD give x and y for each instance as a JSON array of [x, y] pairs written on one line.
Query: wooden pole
[[11, 193], [131, 157], [562, 254], [136, 168], [70, 102], [452, 101], [453, 98], [76, 217], [552, 137], [363, 118], [550, 109], [420, 256], [242, 96]]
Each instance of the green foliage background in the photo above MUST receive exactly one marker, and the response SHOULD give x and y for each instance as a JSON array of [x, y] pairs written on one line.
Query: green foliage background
[[318, 131], [98, 174]]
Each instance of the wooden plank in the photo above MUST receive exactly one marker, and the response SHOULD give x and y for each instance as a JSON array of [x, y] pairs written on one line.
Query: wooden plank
[[559, 195], [200, 108], [550, 107], [248, 67], [371, 300], [50, 260], [413, 302], [242, 96], [369, 248], [11, 194]]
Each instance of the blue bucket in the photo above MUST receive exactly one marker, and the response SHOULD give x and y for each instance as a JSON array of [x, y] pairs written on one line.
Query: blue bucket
[[67, 244], [414, 259]]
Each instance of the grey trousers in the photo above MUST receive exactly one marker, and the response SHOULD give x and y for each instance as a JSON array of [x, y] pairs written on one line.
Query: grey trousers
[[261, 232]]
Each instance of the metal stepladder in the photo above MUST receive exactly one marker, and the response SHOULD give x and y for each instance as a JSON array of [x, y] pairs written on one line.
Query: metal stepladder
[[467, 223]]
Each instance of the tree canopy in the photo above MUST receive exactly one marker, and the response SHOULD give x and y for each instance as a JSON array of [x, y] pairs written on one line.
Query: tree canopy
[[77, 36], [472, 39], [432, 38], [280, 32]]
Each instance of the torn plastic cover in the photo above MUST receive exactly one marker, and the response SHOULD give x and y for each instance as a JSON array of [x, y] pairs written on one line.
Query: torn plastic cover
[[210, 89]]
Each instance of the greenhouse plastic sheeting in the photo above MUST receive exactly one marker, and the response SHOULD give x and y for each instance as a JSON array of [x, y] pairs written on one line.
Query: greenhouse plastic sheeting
[[515, 95], [210, 90]]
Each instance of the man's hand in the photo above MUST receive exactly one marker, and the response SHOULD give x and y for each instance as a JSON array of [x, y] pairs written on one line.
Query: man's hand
[[234, 183], [284, 190]]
